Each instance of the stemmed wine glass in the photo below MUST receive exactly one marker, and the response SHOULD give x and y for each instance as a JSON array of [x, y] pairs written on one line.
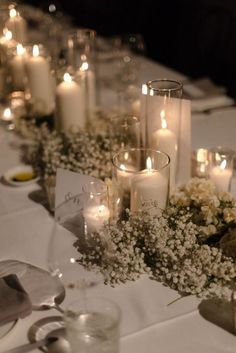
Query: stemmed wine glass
[[74, 221]]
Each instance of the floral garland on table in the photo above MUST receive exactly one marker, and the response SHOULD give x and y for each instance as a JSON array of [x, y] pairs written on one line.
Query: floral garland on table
[[190, 247], [83, 152], [170, 248]]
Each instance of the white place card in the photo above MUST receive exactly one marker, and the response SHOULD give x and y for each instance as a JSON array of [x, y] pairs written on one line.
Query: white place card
[[68, 185]]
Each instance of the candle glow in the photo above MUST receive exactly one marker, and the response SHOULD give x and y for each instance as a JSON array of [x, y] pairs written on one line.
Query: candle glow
[[35, 50], [84, 66], [7, 34], [20, 49], [12, 13], [67, 77]]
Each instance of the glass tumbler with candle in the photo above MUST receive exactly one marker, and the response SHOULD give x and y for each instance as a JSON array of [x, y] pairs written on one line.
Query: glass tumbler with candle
[[221, 162], [140, 180], [93, 326], [96, 211], [125, 132], [162, 119], [200, 163]]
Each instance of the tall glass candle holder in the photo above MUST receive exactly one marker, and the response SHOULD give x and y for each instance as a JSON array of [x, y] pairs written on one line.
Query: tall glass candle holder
[[80, 55], [140, 180], [80, 47], [162, 119], [40, 81], [96, 209], [221, 162], [125, 132]]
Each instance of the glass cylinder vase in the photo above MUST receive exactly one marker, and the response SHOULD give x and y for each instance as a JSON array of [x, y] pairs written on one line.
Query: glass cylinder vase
[[125, 132], [80, 55], [162, 119], [140, 180]]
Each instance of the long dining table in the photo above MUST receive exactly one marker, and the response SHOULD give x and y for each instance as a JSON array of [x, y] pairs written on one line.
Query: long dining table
[[148, 322]]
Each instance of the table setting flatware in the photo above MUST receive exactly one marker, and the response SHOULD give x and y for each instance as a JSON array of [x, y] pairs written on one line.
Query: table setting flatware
[[54, 341]]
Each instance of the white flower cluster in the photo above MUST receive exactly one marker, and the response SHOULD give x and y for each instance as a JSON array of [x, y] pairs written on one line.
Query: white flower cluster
[[164, 247], [211, 210], [77, 151]]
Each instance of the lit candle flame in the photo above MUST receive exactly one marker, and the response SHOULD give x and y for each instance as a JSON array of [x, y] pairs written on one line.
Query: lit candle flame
[[223, 164], [149, 163], [163, 119], [12, 13], [7, 114], [7, 34], [202, 155], [67, 77], [144, 89], [84, 66], [20, 49], [122, 167], [35, 50]]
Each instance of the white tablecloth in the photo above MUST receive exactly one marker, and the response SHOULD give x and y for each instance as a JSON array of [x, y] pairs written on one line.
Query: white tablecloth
[[147, 323]]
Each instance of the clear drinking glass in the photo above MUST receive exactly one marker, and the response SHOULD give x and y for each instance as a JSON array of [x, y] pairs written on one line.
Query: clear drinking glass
[[221, 162], [140, 179], [74, 220], [93, 326], [162, 120]]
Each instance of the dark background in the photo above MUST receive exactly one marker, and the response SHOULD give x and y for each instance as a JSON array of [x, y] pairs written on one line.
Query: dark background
[[197, 37]]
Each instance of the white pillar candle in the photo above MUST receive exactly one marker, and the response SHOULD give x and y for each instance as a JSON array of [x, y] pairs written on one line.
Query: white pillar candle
[[165, 140], [17, 68], [70, 109], [148, 185], [95, 217], [17, 25], [221, 176], [88, 83], [40, 82]]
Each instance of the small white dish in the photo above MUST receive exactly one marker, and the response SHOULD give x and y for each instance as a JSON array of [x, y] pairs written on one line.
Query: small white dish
[[20, 175]]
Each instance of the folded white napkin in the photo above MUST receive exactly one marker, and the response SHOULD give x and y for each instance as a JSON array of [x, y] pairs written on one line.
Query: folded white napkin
[[200, 105]]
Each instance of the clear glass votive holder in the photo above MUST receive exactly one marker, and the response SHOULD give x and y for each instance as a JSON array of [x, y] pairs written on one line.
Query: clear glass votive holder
[[125, 132], [221, 163], [96, 211], [162, 119], [200, 163], [93, 325], [140, 179]]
